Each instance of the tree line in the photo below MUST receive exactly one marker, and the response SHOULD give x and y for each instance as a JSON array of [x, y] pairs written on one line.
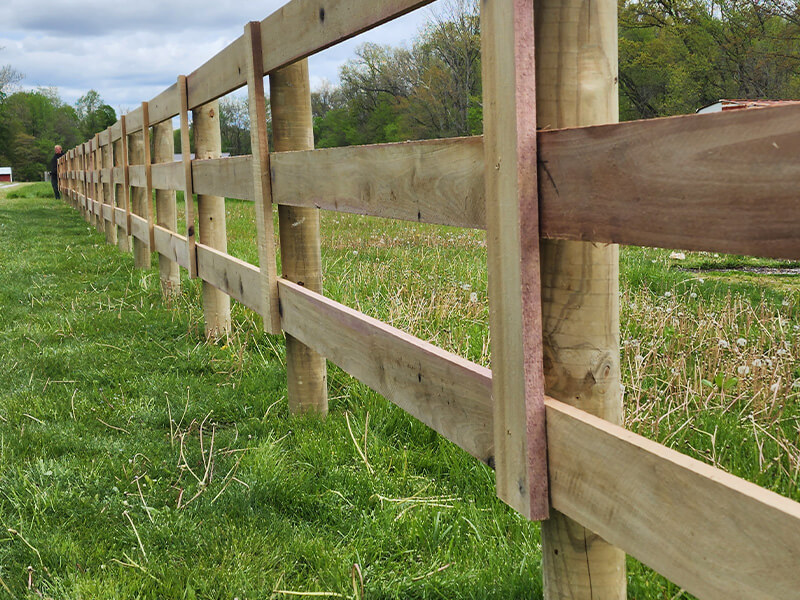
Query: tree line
[[675, 56]]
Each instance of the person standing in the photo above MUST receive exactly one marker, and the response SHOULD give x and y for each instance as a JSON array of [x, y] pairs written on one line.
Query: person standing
[[54, 171]]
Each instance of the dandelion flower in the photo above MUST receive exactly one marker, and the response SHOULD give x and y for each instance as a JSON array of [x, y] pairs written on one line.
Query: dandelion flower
[[741, 342], [693, 295], [743, 370], [724, 344], [473, 297]]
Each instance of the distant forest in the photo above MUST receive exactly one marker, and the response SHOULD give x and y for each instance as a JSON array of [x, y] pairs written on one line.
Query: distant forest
[[675, 56]]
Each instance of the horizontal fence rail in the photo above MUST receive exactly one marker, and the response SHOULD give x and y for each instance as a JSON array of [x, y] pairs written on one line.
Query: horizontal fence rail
[[723, 183]]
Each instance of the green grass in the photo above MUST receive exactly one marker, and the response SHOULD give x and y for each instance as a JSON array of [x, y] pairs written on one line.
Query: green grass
[[111, 486]]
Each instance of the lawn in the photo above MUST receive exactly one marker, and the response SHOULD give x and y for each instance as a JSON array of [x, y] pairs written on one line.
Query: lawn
[[138, 461]]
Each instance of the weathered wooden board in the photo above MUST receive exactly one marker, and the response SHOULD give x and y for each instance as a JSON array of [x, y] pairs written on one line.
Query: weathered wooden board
[[724, 182], [188, 190], [139, 228], [171, 245], [444, 391], [260, 180], [223, 73], [168, 176], [235, 277], [319, 24], [711, 533], [515, 311], [137, 176], [434, 181], [230, 177], [165, 105], [133, 120]]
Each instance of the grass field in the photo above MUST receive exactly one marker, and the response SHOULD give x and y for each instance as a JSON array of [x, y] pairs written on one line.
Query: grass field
[[138, 461]]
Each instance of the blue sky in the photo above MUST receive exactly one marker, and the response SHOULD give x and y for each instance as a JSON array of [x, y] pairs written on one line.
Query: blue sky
[[131, 50]]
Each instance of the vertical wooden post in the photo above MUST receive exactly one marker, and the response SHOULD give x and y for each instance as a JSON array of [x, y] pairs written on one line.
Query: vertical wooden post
[[108, 188], [82, 183], [98, 185], [188, 187], [576, 64], [166, 208], [290, 100], [122, 191], [262, 180], [512, 218], [136, 156], [211, 218], [148, 177]]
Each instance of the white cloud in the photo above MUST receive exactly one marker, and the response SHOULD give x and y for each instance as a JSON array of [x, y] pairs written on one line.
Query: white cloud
[[131, 51]]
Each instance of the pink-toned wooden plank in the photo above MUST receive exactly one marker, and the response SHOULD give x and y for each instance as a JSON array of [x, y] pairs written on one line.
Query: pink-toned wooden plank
[[513, 259]]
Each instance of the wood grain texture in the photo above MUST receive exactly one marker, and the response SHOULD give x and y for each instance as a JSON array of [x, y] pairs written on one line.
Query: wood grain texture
[[724, 182], [515, 314], [136, 175], [138, 197], [301, 262], [434, 181], [133, 120], [140, 231], [147, 204], [234, 277], [169, 175], [260, 179], [166, 207], [188, 191], [711, 533], [576, 76], [231, 177], [212, 231], [319, 24], [171, 245], [222, 73], [165, 106], [444, 391]]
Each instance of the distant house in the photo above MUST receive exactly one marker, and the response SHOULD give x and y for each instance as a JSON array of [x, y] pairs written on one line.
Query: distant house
[[5, 174], [726, 105]]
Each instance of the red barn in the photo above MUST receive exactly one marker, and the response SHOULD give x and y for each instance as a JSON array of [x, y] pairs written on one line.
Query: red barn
[[5, 174]]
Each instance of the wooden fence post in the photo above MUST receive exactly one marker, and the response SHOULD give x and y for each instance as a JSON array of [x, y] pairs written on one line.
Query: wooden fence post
[[122, 191], [138, 202], [290, 100], [211, 218], [512, 223], [576, 67], [166, 208], [108, 188]]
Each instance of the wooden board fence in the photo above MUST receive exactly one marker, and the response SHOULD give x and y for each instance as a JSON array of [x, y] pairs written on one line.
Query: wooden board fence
[[723, 183]]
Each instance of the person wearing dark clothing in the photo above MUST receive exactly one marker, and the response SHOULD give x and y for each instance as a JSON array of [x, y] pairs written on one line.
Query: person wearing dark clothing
[[54, 171]]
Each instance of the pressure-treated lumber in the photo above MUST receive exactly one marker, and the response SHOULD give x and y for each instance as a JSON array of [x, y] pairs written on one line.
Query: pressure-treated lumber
[[188, 190], [169, 175], [211, 219], [290, 100], [106, 150], [711, 533], [121, 190], [314, 26], [515, 315], [576, 76], [148, 186], [259, 180], [433, 181], [138, 200], [166, 208], [234, 277], [171, 245], [319, 24], [231, 177], [165, 106], [725, 182], [444, 391]]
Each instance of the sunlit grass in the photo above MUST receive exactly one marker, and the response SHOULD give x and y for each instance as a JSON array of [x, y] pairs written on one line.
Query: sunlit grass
[[110, 400]]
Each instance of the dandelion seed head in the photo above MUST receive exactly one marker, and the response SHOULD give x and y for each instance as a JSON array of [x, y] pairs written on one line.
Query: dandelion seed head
[[724, 344], [743, 370], [741, 342]]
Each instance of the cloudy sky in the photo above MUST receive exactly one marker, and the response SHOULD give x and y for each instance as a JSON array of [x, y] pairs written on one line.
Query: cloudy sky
[[130, 50]]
